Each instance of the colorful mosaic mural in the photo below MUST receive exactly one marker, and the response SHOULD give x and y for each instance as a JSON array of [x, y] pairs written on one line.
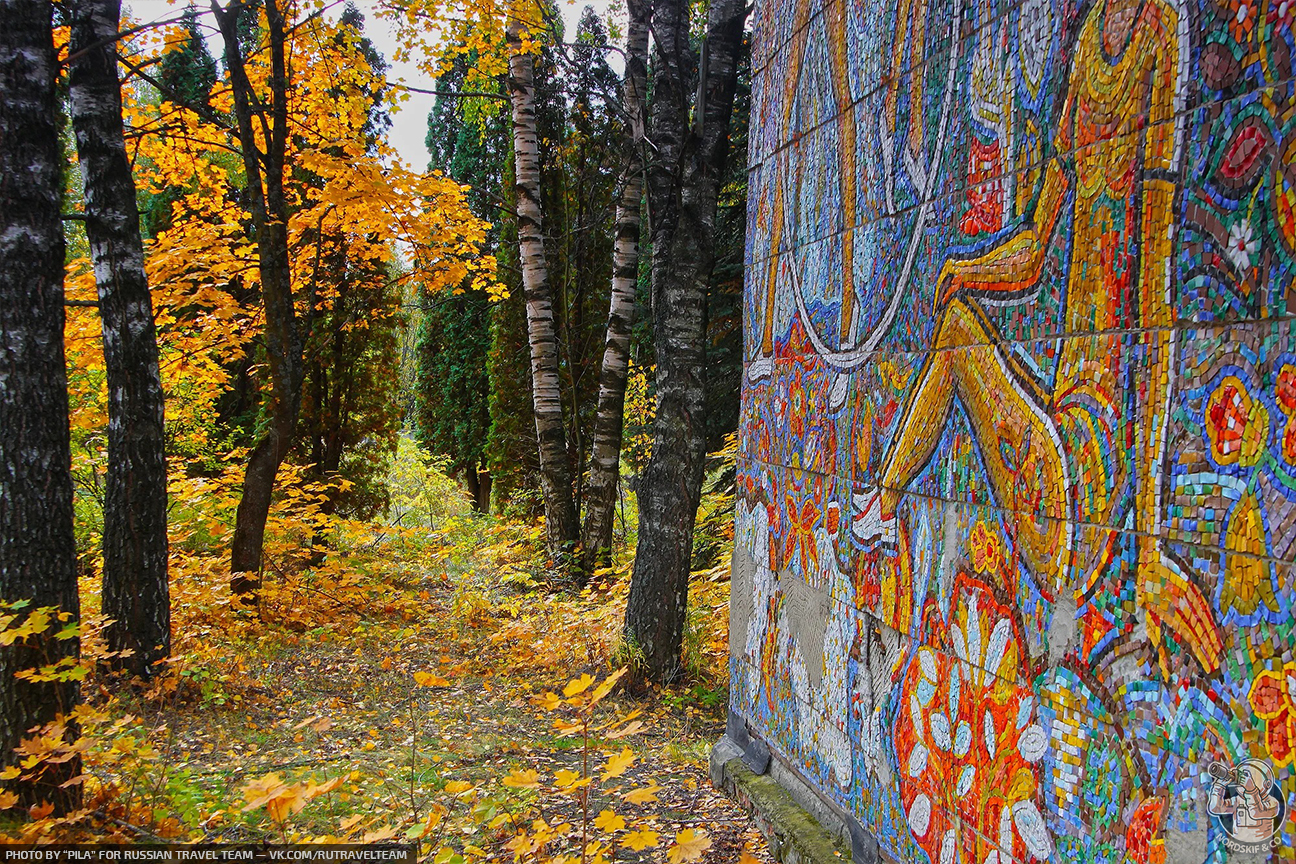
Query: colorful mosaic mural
[[1015, 577]]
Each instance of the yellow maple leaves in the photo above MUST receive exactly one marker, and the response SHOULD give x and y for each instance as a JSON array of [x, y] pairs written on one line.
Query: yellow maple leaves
[[644, 838], [618, 764]]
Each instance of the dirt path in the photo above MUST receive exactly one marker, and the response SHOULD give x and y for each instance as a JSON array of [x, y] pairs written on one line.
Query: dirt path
[[341, 701]]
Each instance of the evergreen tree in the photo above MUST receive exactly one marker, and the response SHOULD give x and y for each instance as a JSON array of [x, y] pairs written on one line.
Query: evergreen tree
[[188, 73], [452, 414]]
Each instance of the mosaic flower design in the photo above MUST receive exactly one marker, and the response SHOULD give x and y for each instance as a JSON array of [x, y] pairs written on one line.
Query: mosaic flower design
[[966, 738], [800, 543], [1241, 16], [1273, 698], [987, 551], [1236, 424], [1285, 394], [1241, 244]]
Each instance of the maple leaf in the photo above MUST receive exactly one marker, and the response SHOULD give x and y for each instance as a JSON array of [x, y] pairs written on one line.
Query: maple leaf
[[618, 764], [258, 793], [41, 810], [607, 822], [606, 687], [629, 729], [566, 779], [7, 800], [689, 845], [644, 838], [314, 791], [576, 686], [378, 835], [429, 679], [522, 779], [566, 727], [456, 787], [642, 795]]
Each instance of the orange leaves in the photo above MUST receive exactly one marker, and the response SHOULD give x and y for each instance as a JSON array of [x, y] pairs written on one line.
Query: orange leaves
[[282, 800]]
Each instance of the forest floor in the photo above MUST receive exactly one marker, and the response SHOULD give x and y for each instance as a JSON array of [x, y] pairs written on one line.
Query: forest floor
[[396, 691]]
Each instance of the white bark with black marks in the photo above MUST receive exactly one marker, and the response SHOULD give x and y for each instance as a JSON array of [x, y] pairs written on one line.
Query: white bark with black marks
[[37, 549], [135, 591], [561, 525], [609, 419], [684, 179]]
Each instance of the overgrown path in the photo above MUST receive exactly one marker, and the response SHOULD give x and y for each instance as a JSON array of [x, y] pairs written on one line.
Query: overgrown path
[[411, 680]]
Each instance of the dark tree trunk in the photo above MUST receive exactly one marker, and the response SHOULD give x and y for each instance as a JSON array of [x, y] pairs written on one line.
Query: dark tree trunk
[[135, 592], [37, 550], [483, 491], [479, 486], [609, 419], [683, 181], [562, 528], [283, 342]]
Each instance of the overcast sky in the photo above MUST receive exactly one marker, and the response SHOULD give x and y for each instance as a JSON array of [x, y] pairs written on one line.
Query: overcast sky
[[409, 124]]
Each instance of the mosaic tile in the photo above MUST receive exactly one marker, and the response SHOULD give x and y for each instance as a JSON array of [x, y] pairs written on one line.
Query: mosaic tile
[[1018, 424]]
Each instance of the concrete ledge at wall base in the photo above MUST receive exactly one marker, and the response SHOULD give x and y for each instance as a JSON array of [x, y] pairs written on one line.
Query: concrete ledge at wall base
[[794, 835]]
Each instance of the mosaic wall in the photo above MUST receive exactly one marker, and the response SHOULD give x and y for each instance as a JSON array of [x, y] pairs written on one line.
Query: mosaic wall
[[1014, 577]]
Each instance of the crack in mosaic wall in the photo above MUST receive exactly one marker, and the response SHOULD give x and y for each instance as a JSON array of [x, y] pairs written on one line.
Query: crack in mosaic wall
[[1016, 526]]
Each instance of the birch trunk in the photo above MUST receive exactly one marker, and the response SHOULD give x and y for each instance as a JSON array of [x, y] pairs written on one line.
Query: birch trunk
[[135, 592], [561, 525], [683, 183], [609, 419], [37, 550], [283, 340]]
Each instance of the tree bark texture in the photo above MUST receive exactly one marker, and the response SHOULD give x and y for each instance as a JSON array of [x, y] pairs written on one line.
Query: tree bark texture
[[561, 525], [609, 419], [684, 178], [37, 550], [135, 591], [283, 339]]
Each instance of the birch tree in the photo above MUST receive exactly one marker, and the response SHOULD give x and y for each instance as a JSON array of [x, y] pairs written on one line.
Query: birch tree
[[37, 550], [609, 420], [561, 525], [690, 134]]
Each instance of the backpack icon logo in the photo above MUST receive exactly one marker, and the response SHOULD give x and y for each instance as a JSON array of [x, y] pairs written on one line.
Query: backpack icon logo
[[1247, 805]]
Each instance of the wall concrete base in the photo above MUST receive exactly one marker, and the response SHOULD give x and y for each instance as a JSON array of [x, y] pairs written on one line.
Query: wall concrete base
[[796, 823]]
